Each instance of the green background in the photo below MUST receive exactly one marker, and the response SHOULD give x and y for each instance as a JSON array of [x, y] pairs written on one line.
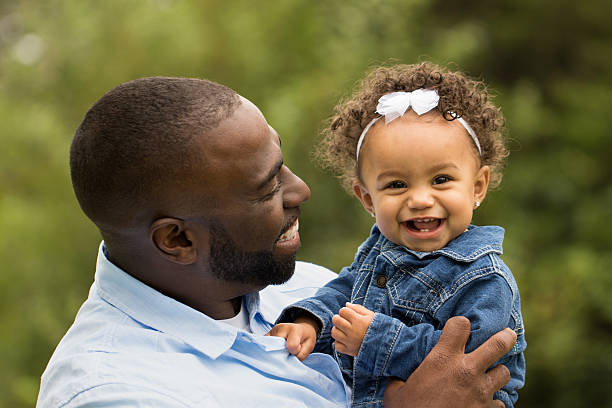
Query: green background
[[548, 63]]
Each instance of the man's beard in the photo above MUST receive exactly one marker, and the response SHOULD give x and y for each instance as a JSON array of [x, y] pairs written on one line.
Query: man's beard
[[261, 268]]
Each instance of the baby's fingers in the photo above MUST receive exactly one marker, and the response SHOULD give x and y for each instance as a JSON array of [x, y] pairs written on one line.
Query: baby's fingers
[[294, 343], [340, 347], [280, 330], [306, 349], [359, 309], [345, 348], [349, 314], [341, 323], [338, 334]]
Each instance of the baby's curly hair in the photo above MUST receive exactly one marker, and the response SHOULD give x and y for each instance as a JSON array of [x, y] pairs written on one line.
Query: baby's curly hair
[[465, 97]]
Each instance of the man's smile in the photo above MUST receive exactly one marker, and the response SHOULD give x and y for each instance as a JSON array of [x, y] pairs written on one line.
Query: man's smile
[[289, 241], [290, 232]]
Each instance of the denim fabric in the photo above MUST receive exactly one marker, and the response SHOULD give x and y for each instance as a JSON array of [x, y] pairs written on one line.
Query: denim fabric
[[413, 294]]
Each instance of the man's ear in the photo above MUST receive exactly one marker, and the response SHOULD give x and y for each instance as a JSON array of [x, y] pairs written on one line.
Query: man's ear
[[481, 183], [361, 192], [174, 241]]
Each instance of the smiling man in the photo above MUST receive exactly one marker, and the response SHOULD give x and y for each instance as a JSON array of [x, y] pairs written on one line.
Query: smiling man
[[199, 217]]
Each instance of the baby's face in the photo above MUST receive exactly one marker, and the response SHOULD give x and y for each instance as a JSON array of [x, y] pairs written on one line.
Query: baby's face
[[421, 177]]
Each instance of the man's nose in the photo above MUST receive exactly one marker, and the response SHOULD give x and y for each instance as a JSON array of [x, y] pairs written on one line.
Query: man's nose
[[296, 191]]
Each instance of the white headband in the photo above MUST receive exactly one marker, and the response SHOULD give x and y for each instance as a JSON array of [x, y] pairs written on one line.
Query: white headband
[[395, 104]]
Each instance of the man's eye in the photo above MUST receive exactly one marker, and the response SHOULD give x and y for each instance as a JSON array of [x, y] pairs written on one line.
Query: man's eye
[[396, 184], [441, 180], [272, 193]]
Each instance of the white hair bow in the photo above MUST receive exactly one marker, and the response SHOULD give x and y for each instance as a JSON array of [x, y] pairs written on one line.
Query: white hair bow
[[395, 104]]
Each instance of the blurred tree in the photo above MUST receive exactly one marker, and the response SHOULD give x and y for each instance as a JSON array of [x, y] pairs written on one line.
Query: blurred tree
[[548, 61]]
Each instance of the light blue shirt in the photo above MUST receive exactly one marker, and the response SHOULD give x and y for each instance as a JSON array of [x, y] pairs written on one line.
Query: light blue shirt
[[133, 346]]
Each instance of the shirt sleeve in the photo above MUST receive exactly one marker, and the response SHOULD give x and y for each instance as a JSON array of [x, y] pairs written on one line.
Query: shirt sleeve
[[126, 395]]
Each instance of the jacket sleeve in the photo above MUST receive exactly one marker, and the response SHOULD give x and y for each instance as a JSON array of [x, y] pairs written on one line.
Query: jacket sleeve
[[326, 302], [392, 349]]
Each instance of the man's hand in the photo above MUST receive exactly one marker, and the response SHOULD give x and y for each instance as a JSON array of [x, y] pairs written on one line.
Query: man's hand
[[301, 336], [449, 378], [350, 326]]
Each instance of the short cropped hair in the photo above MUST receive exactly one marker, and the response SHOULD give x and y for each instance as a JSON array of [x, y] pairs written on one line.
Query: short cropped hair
[[458, 93], [137, 140]]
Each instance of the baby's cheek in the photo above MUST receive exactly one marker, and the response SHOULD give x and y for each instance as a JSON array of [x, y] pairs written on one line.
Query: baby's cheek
[[389, 229], [386, 216]]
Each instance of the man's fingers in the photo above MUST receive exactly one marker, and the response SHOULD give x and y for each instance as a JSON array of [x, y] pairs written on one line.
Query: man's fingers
[[498, 376], [392, 395], [454, 336], [394, 383], [498, 404], [493, 349]]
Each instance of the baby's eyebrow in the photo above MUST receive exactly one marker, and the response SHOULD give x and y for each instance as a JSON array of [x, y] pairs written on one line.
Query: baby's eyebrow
[[440, 166]]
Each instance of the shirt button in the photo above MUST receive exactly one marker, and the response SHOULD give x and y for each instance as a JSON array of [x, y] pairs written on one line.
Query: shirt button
[[381, 281]]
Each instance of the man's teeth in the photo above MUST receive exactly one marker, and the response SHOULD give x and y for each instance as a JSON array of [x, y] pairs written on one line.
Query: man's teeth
[[290, 233]]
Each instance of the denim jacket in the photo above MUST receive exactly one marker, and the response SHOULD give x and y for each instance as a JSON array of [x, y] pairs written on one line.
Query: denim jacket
[[413, 294]]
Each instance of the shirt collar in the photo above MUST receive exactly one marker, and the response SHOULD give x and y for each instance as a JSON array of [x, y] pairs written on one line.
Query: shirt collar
[[467, 247], [160, 312]]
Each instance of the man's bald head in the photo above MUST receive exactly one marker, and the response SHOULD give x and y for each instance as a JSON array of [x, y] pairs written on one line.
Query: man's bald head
[[136, 142]]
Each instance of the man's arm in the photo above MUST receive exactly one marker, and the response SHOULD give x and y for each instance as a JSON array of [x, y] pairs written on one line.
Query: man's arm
[[449, 377]]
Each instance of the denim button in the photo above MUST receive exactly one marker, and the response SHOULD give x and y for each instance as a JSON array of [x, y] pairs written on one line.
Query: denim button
[[381, 281]]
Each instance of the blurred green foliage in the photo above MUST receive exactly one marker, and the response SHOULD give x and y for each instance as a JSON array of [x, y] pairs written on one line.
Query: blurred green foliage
[[547, 61]]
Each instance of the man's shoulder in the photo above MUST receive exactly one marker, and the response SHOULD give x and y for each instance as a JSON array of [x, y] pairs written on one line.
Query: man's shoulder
[[312, 273], [306, 280], [307, 277]]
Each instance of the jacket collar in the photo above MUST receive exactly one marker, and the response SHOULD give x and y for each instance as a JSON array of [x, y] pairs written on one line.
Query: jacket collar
[[467, 247]]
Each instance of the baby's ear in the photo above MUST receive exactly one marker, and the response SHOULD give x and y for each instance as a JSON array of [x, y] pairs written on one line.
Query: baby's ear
[[481, 183], [361, 192]]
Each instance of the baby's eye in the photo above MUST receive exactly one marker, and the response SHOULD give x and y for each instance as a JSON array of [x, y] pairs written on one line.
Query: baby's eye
[[396, 184], [441, 179]]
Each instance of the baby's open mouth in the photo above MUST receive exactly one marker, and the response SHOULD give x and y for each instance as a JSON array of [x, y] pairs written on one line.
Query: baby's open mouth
[[423, 224]]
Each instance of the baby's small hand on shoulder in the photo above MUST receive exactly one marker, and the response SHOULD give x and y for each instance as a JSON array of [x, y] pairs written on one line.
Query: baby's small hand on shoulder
[[301, 336]]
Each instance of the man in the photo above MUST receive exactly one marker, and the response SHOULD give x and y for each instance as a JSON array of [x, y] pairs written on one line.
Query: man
[[185, 181]]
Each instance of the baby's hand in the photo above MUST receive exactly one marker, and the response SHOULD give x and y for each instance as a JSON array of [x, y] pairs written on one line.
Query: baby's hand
[[301, 336], [350, 326]]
